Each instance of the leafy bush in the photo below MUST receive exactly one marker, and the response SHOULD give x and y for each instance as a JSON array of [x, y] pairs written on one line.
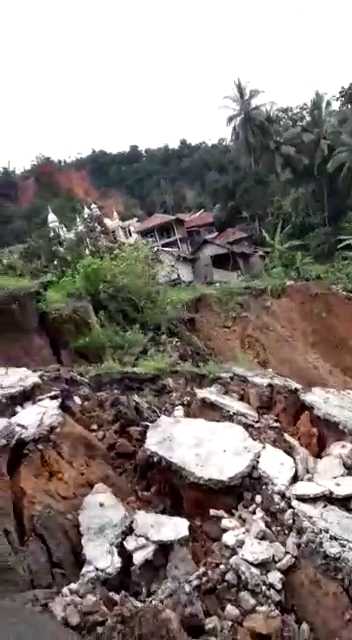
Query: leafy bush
[[107, 343]]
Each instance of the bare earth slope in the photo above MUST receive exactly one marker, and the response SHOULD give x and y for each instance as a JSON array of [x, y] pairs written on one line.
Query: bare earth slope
[[305, 335]]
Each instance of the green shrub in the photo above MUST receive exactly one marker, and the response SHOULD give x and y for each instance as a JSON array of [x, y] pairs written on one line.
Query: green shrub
[[109, 343]]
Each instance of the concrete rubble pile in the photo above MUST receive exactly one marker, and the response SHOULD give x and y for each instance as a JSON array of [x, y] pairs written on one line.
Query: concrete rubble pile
[[201, 512]]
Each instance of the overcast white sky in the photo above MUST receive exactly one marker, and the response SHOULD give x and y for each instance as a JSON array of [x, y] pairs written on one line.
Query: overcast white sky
[[83, 74]]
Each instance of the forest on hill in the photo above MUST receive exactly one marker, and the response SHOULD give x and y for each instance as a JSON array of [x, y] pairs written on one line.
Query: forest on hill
[[285, 170]]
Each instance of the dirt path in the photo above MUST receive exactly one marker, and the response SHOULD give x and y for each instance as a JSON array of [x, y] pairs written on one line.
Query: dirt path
[[305, 335]]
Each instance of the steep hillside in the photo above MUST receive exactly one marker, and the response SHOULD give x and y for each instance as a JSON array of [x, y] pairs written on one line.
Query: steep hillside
[[306, 334]]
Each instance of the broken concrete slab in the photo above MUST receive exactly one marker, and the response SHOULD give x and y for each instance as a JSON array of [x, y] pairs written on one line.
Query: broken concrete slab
[[141, 549], [277, 467], [340, 487], [16, 380], [38, 419], [102, 519], [228, 402], [330, 404], [308, 490], [266, 378], [159, 528], [211, 453], [323, 517]]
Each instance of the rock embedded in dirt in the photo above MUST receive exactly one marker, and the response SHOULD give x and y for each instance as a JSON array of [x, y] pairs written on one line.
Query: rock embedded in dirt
[[276, 467], [159, 528], [308, 490], [211, 453], [102, 519]]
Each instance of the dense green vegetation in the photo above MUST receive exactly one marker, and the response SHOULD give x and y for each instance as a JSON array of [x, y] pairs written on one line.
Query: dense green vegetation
[[283, 165], [286, 172]]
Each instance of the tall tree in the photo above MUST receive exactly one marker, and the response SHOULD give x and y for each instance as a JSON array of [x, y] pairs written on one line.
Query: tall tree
[[247, 121]]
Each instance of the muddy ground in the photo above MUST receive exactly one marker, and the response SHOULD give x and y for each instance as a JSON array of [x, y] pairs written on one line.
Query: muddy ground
[[306, 334]]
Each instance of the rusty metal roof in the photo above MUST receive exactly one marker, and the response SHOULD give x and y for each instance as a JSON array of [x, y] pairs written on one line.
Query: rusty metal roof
[[201, 219], [231, 235], [156, 220]]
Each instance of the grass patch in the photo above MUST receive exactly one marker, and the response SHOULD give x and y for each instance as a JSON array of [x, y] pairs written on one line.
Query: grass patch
[[16, 283]]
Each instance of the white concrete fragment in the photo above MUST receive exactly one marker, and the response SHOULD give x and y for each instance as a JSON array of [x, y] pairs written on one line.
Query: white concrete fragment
[[160, 528], [37, 420], [256, 551], [228, 402], [230, 523], [232, 613], [276, 579], [337, 522], [234, 538], [331, 404], [141, 549], [306, 490], [285, 563], [102, 520], [328, 468], [212, 453], [265, 378], [15, 380], [341, 449], [340, 487], [276, 467]]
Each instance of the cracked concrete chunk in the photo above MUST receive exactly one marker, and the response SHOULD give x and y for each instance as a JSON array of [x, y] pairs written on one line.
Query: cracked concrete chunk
[[331, 404], [340, 487], [16, 380], [328, 468], [256, 551], [141, 549], [341, 449], [102, 520], [334, 520], [160, 528], [307, 490], [228, 402], [212, 453], [266, 378], [276, 467], [38, 419]]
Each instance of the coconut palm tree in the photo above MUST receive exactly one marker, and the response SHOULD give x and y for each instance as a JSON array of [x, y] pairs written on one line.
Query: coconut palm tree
[[247, 121], [342, 159], [318, 142]]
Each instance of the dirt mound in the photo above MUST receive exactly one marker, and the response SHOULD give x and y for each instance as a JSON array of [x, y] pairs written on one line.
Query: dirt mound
[[305, 335]]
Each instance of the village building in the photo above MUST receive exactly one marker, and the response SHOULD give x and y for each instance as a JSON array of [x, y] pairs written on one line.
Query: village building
[[199, 225], [226, 256], [165, 231]]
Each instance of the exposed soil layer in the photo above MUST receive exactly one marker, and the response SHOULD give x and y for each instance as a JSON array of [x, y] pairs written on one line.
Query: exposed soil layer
[[306, 334]]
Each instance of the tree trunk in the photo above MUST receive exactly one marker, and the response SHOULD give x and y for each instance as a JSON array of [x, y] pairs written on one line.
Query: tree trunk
[[325, 201]]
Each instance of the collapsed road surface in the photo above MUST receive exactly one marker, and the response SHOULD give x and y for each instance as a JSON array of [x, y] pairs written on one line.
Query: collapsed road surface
[[134, 506]]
